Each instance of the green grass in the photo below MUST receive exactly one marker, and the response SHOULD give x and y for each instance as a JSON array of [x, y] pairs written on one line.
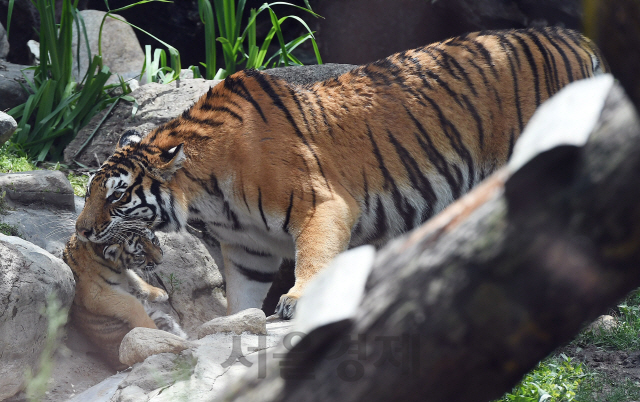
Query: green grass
[[38, 380], [600, 388], [12, 161]]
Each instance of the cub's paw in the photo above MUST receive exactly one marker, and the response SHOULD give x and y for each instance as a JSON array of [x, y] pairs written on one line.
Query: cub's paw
[[158, 295], [286, 307]]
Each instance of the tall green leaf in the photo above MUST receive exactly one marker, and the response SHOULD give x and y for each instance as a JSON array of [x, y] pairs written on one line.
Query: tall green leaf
[[206, 16], [9, 12]]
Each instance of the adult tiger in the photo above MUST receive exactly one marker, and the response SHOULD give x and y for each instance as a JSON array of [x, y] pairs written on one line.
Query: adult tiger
[[279, 171]]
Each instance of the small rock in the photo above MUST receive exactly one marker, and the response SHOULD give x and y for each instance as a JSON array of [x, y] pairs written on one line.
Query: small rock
[[186, 74], [603, 323], [39, 186], [141, 343], [251, 320], [7, 127]]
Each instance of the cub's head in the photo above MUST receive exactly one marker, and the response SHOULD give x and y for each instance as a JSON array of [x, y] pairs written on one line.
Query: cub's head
[[137, 251], [132, 191]]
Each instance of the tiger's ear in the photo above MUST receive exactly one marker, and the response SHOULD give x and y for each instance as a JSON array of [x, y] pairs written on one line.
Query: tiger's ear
[[112, 252], [171, 161], [129, 137]]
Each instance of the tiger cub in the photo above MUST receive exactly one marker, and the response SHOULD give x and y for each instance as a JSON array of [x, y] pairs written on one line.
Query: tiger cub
[[111, 298], [273, 170]]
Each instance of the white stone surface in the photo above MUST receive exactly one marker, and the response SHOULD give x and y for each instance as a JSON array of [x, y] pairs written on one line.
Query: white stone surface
[[567, 118], [335, 294]]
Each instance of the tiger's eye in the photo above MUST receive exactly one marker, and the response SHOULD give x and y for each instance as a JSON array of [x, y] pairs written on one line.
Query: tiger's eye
[[115, 196]]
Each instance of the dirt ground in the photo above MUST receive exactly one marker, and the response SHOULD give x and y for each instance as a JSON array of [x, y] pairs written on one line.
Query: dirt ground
[[616, 365]]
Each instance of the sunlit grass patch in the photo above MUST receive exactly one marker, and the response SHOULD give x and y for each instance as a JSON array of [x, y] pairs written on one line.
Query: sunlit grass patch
[[554, 379], [79, 183], [11, 161]]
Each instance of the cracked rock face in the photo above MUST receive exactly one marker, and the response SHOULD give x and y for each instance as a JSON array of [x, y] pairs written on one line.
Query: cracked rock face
[[29, 276]]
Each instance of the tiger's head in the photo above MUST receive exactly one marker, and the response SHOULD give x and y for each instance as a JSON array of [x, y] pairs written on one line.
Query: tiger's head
[[132, 191]]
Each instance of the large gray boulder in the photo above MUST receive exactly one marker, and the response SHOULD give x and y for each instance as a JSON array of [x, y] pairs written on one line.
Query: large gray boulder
[[30, 276], [121, 51], [46, 187], [307, 75], [12, 92]]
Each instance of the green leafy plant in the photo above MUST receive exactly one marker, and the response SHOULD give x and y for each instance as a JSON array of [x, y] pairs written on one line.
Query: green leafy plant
[[58, 106], [173, 282], [9, 230], [228, 17], [156, 67], [553, 380]]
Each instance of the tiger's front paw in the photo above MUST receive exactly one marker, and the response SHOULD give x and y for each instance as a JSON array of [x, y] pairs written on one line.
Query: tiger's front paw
[[158, 295], [286, 307]]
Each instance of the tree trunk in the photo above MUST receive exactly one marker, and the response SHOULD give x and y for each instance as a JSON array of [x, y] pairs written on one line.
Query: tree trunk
[[462, 307]]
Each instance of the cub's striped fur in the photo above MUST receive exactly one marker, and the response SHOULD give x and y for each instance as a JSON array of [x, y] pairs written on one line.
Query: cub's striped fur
[[106, 304], [278, 171]]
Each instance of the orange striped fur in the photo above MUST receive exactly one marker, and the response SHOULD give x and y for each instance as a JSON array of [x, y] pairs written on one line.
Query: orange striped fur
[[277, 171]]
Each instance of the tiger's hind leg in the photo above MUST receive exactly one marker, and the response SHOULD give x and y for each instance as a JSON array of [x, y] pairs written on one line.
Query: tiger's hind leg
[[248, 275]]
